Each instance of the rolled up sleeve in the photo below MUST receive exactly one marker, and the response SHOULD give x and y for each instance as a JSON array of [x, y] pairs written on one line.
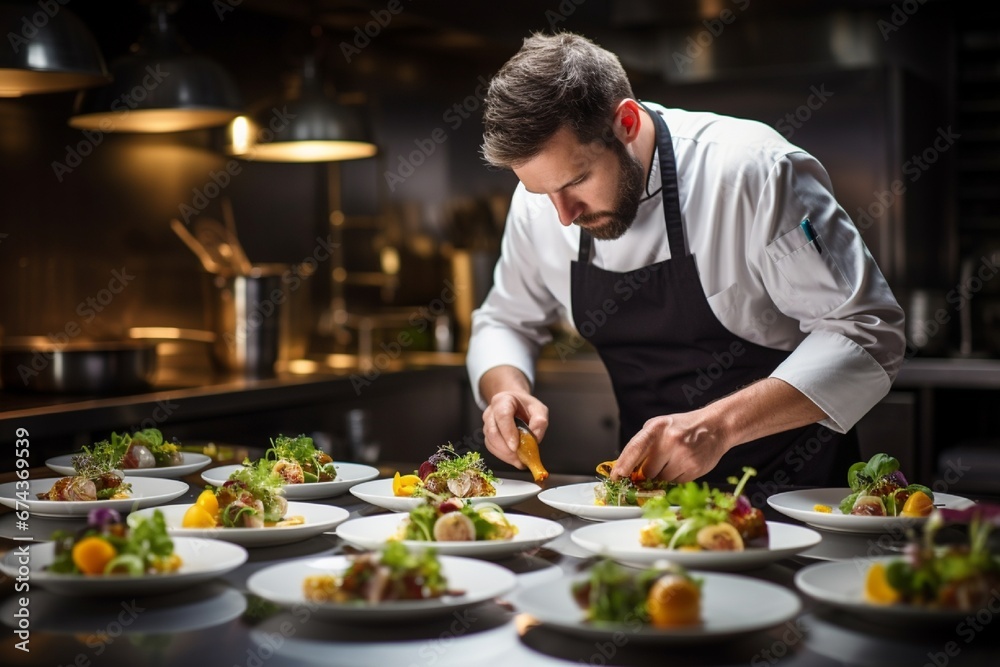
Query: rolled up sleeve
[[854, 343]]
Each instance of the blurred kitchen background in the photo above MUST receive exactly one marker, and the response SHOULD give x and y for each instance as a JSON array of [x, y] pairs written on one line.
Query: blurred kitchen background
[[898, 99]]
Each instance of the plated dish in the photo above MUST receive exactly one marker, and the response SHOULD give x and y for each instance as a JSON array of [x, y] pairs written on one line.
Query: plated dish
[[379, 492], [372, 532], [801, 505], [578, 499], [348, 474], [470, 582], [190, 462], [619, 540], [145, 492], [725, 603], [316, 519], [928, 581], [203, 560]]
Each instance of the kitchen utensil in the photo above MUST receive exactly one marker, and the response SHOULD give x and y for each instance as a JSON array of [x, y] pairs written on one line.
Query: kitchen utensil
[[206, 259], [214, 238], [246, 318], [35, 363], [242, 261]]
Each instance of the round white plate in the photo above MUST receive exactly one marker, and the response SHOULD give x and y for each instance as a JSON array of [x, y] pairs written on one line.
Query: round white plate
[[379, 493], [372, 532], [620, 540], [578, 499], [730, 605], [202, 560], [841, 584], [475, 581], [799, 505], [192, 463], [188, 610], [319, 519], [146, 492], [348, 474]]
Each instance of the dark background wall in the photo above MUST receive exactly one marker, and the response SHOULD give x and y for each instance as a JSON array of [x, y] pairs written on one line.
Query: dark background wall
[[66, 233]]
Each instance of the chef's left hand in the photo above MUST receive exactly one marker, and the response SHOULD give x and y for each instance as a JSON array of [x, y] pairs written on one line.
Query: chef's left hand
[[676, 448]]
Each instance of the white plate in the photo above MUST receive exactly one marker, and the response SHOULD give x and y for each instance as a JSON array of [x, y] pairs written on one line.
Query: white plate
[[319, 519], [187, 610], [371, 532], [348, 474], [730, 605], [799, 505], [841, 584], [478, 581], [202, 560], [578, 499], [192, 463], [379, 493], [146, 492], [620, 540]]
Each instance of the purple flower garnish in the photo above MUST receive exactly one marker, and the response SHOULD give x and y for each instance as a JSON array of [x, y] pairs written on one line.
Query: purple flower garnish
[[103, 516], [897, 478]]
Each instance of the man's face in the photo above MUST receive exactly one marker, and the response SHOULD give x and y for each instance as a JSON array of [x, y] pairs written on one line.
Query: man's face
[[597, 186]]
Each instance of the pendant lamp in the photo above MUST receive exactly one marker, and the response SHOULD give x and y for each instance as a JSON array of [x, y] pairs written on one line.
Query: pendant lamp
[[160, 87], [306, 124], [48, 50]]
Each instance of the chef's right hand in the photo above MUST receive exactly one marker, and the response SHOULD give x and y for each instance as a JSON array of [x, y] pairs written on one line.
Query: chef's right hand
[[501, 433]]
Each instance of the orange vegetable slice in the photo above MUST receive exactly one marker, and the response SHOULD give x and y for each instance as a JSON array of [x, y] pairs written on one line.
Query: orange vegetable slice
[[92, 554], [877, 588]]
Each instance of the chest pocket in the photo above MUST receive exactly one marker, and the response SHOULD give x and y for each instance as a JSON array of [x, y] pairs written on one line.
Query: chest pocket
[[813, 276]]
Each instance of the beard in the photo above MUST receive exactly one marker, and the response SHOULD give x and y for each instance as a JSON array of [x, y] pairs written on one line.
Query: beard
[[610, 225]]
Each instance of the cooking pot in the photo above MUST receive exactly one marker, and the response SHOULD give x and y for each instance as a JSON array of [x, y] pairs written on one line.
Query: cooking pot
[[35, 363]]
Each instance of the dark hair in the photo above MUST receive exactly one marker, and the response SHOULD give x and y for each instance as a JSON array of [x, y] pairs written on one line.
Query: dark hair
[[553, 81]]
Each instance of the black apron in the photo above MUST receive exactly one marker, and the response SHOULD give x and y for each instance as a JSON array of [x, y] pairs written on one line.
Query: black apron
[[667, 352]]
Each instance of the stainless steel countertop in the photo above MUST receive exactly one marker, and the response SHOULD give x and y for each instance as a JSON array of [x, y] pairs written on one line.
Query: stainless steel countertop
[[221, 624]]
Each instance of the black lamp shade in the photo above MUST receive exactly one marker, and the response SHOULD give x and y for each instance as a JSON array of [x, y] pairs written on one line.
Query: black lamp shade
[[311, 128], [172, 93], [46, 51]]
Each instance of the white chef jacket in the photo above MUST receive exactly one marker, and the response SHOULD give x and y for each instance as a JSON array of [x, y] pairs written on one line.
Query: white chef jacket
[[743, 190]]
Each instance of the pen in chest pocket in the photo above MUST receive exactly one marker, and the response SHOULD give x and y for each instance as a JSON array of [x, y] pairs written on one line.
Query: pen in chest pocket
[[810, 234]]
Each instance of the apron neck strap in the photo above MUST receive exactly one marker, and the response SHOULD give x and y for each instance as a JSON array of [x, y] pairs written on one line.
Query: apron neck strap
[[668, 176], [671, 199]]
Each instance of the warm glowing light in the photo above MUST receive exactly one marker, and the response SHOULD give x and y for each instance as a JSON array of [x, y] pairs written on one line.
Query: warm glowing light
[[152, 120], [239, 135], [311, 151], [390, 260]]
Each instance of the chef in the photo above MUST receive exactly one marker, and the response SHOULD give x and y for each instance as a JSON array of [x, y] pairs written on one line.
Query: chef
[[740, 316]]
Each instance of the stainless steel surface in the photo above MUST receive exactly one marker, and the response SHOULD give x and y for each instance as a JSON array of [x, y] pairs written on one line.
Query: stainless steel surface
[[77, 367], [246, 317]]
